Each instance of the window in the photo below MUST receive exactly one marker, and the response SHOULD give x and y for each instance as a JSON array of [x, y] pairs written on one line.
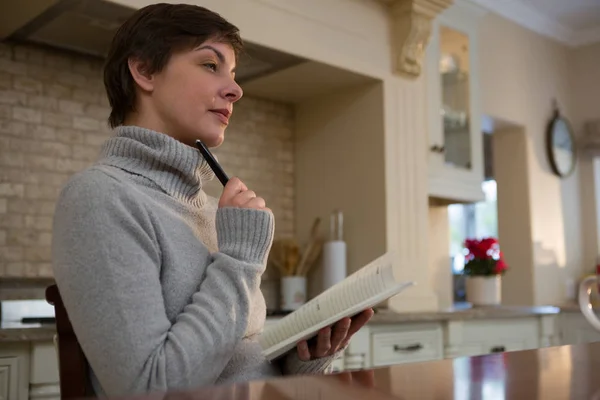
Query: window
[[476, 220]]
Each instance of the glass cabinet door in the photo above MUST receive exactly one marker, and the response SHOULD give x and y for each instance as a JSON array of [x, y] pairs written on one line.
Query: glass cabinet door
[[455, 95]]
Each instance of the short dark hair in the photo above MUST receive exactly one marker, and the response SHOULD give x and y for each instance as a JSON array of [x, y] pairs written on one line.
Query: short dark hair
[[151, 35]]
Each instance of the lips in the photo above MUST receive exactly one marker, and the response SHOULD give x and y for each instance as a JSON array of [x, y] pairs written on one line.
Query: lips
[[223, 114]]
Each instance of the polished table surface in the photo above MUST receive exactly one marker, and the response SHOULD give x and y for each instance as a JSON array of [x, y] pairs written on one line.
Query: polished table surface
[[565, 372]]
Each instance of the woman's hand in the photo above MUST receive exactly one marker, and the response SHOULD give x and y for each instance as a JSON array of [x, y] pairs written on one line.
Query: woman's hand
[[236, 194], [332, 338]]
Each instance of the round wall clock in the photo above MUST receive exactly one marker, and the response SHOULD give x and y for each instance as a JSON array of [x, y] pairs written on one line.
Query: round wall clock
[[560, 144]]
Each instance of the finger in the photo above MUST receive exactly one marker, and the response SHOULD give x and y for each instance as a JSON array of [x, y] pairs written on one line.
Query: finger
[[340, 330], [303, 352], [257, 202], [358, 322], [242, 198], [323, 343], [231, 189]]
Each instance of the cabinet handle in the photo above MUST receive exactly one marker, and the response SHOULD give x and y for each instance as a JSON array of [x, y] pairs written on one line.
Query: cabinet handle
[[412, 347], [498, 349], [442, 149], [437, 149]]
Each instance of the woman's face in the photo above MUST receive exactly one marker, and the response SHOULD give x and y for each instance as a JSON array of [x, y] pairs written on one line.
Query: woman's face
[[192, 97]]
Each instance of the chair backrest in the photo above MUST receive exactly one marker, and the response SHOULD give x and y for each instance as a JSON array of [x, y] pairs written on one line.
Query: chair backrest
[[73, 365]]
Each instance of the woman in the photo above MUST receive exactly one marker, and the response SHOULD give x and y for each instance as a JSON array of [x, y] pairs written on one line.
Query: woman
[[162, 282]]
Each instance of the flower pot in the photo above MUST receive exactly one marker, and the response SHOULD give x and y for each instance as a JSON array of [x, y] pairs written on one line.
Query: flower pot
[[483, 290]]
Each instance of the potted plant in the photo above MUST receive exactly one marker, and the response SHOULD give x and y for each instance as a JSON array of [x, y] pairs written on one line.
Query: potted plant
[[484, 267]]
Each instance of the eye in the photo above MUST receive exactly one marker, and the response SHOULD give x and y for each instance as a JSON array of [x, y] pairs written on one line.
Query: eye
[[211, 66]]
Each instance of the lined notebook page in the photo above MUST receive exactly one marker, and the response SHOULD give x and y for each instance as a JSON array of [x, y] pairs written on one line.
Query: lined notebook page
[[365, 283]]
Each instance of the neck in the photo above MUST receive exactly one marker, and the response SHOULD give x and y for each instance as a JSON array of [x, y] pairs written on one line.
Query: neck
[[178, 169]]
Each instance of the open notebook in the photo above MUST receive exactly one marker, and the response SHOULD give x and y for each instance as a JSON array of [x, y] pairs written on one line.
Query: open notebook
[[367, 287]]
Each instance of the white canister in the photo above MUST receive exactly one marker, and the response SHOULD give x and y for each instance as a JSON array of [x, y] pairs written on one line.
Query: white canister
[[483, 290], [334, 263], [293, 292]]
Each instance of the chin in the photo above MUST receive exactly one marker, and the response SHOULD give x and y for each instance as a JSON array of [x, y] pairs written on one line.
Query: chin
[[213, 140]]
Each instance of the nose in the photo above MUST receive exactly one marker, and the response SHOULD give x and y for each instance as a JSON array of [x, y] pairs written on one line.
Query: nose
[[233, 92]]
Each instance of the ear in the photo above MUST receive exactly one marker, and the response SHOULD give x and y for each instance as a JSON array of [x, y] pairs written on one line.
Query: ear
[[140, 74]]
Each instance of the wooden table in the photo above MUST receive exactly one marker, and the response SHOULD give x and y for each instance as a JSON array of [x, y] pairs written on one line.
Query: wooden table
[[565, 372]]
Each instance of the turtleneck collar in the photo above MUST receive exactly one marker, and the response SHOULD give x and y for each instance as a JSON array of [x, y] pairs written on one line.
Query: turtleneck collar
[[176, 168]]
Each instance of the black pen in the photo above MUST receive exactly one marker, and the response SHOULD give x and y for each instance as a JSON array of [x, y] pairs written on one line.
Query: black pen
[[212, 162]]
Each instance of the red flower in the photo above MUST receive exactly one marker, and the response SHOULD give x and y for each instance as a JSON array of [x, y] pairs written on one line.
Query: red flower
[[500, 266]]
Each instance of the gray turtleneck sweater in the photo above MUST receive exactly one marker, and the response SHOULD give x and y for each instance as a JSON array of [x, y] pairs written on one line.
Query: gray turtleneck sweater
[[162, 286]]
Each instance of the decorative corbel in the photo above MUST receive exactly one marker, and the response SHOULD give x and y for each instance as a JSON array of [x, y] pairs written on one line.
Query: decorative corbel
[[412, 20]]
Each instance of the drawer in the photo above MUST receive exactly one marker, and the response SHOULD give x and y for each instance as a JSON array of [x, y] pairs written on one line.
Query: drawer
[[406, 346]]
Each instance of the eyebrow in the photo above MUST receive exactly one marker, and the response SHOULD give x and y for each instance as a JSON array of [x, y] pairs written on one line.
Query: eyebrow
[[219, 55]]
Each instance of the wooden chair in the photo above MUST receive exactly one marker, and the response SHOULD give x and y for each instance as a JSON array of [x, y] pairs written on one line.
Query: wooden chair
[[73, 365]]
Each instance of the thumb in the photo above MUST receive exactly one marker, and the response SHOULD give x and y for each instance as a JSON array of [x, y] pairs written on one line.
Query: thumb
[[231, 189]]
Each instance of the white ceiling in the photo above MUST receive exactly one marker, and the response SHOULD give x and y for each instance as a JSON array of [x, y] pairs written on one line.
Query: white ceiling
[[573, 22]]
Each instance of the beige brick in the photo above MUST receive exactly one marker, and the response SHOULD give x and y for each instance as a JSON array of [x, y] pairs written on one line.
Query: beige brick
[[2, 237], [14, 270], [37, 162], [12, 189], [3, 206], [70, 107], [5, 111], [13, 97], [42, 102], [86, 124], [42, 73], [71, 166], [41, 223], [46, 149], [29, 54], [13, 128], [13, 67], [11, 221], [41, 192], [41, 132], [72, 79], [68, 135], [86, 96], [86, 153], [31, 207], [11, 254], [27, 85], [24, 114], [57, 120], [6, 50], [58, 91], [28, 237], [5, 80], [60, 61], [54, 150], [37, 254], [43, 270], [97, 112], [95, 139], [12, 174]]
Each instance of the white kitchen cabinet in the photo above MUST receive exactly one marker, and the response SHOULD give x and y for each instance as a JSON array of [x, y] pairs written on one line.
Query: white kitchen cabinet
[[455, 146], [476, 337], [44, 381], [14, 372], [377, 345], [29, 371], [574, 329]]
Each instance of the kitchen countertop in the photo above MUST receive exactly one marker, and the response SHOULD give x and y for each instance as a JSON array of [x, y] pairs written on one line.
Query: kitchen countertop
[[461, 312], [15, 331], [19, 332]]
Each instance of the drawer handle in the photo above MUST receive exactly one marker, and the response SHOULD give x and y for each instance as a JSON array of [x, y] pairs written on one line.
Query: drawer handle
[[498, 349], [412, 347]]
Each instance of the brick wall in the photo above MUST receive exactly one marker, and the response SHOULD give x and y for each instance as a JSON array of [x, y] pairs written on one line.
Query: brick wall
[[52, 122]]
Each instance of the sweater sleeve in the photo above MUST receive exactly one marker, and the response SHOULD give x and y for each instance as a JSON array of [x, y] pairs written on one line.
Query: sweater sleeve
[[106, 263], [291, 364]]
